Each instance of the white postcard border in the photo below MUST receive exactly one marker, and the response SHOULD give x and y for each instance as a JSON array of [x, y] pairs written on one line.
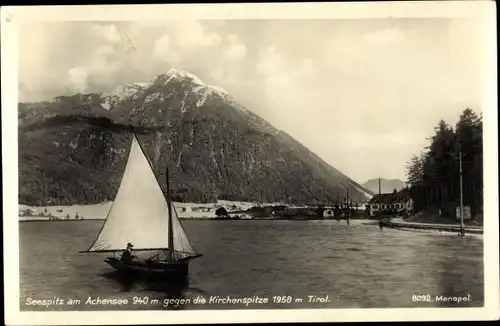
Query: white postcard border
[[12, 16]]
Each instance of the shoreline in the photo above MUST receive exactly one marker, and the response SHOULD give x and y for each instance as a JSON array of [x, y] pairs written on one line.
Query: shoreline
[[103, 219], [100, 210], [451, 228], [369, 220]]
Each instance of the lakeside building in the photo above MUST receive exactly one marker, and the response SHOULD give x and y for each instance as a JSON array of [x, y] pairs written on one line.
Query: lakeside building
[[390, 203]]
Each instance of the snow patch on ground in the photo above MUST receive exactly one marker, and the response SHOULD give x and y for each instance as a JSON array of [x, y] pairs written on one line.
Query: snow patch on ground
[[151, 97], [106, 106], [205, 91], [100, 211]]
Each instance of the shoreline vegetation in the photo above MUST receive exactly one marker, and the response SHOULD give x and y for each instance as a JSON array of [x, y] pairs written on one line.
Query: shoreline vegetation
[[448, 173]]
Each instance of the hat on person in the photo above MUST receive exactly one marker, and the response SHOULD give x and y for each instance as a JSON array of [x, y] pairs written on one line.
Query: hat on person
[[129, 245]]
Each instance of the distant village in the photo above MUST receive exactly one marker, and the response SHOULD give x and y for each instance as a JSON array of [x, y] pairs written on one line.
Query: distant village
[[396, 203]]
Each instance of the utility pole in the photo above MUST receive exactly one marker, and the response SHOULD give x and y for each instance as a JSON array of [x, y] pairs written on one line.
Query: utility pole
[[462, 231], [348, 204]]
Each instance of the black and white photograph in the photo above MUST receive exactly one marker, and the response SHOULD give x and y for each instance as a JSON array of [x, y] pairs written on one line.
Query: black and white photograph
[[242, 163]]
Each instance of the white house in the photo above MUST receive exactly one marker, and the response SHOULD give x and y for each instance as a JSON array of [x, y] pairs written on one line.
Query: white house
[[394, 202]]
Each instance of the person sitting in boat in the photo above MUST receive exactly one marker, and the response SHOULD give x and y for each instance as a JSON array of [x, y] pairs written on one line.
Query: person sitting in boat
[[127, 256]]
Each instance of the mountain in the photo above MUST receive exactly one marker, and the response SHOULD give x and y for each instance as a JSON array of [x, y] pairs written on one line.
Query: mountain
[[73, 150], [386, 185]]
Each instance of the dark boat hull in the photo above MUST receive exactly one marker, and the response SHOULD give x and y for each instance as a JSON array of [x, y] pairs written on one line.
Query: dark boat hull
[[155, 269]]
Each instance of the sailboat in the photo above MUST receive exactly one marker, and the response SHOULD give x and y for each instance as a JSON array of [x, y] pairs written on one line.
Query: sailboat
[[143, 215]]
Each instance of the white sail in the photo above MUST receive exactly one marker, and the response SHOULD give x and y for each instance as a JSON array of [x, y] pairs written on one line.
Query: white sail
[[181, 242], [139, 213]]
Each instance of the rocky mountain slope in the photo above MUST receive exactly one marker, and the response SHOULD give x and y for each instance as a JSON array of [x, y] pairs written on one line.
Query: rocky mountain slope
[[74, 149], [386, 185]]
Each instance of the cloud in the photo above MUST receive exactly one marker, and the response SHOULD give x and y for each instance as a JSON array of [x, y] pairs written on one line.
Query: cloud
[[361, 81], [104, 50], [184, 39], [95, 62], [109, 32], [282, 71], [77, 79], [278, 74], [384, 36], [164, 51], [270, 61], [217, 73], [232, 38], [236, 52], [307, 65], [190, 35], [101, 68], [104, 62]]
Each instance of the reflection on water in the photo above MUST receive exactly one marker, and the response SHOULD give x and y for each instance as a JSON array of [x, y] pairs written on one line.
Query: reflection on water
[[126, 283], [354, 265], [455, 274], [170, 295]]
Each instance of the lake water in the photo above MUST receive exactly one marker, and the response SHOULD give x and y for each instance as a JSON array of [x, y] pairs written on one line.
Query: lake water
[[355, 265]]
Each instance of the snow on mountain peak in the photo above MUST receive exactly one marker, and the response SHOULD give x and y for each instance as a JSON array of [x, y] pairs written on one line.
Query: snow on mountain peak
[[218, 89], [122, 92], [176, 73], [125, 91], [185, 75], [198, 87]]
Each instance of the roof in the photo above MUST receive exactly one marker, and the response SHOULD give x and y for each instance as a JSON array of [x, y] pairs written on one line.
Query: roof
[[388, 198], [382, 198]]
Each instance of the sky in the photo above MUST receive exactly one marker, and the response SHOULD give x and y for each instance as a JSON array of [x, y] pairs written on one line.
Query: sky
[[363, 94]]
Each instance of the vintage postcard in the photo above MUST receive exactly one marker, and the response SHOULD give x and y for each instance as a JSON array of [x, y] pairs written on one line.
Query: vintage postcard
[[228, 163]]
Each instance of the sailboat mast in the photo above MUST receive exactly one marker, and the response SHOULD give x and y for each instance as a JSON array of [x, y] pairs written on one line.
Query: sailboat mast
[[170, 224]]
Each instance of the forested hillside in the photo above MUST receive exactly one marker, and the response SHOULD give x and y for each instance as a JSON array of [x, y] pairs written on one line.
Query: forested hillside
[[433, 175]]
